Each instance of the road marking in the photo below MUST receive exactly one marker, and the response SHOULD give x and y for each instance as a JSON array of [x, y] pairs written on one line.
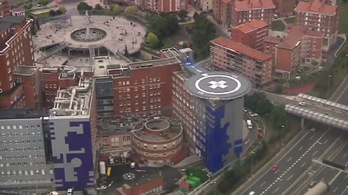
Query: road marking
[[344, 156], [303, 164], [300, 148], [276, 190], [315, 152], [326, 141], [289, 159], [311, 137], [263, 183], [335, 190], [290, 177]]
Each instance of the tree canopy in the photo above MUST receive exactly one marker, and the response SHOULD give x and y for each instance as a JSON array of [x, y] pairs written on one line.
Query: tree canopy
[[131, 9], [82, 6], [163, 25], [152, 40], [116, 8]]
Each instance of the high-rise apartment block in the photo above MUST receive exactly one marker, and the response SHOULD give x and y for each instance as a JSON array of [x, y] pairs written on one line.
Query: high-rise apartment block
[[319, 16], [4, 8], [248, 10], [251, 34], [229, 55], [300, 45], [15, 49], [159, 6]]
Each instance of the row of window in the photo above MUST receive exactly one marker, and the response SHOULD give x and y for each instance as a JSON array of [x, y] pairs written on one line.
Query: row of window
[[151, 80], [2, 127], [23, 156], [20, 149], [25, 181], [18, 164]]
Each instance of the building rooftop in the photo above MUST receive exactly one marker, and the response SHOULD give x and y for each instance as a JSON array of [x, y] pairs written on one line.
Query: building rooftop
[[272, 39], [218, 85], [295, 36], [119, 126], [318, 6], [8, 21], [238, 47], [25, 70], [251, 26], [143, 132], [74, 101], [152, 63], [253, 4], [20, 114]]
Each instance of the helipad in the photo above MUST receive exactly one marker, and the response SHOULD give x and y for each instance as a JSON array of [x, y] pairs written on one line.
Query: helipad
[[218, 85]]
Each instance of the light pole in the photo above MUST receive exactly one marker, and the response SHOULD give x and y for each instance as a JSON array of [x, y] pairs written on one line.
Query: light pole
[[252, 162], [328, 82], [214, 183], [281, 135]]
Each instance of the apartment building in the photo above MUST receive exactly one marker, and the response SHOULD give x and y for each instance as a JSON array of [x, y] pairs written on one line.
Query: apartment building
[[158, 6], [231, 56], [251, 34], [248, 10], [205, 104], [15, 49], [24, 152], [222, 10], [319, 16], [270, 44], [284, 8], [4, 8], [301, 45]]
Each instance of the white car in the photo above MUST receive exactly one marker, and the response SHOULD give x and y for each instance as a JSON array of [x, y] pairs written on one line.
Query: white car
[[102, 187], [252, 193], [254, 115], [70, 191], [302, 103]]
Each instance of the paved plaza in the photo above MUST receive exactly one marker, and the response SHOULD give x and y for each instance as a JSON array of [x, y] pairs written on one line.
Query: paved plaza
[[120, 32]]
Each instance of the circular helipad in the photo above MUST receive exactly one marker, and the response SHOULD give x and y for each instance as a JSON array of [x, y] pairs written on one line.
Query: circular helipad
[[218, 85]]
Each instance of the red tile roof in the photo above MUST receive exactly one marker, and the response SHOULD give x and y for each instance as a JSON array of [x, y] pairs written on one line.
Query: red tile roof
[[251, 26], [226, 1], [295, 35], [243, 49], [252, 4], [318, 6]]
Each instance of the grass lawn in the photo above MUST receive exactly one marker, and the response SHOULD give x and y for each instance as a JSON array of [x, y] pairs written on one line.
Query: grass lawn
[[343, 22], [44, 15], [290, 20], [278, 25]]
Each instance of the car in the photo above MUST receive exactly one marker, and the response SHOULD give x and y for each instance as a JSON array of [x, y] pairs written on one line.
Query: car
[[102, 187], [312, 184], [275, 168], [254, 115], [302, 103], [252, 193], [70, 191]]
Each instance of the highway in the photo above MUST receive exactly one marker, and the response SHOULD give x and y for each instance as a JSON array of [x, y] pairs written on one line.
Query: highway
[[294, 163]]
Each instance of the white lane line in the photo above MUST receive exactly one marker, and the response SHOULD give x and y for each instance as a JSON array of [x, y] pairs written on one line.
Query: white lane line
[[335, 190], [326, 141], [315, 152], [289, 159], [311, 137], [300, 148], [344, 156], [290, 177], [275, 190], [303, 164], [263, 183]]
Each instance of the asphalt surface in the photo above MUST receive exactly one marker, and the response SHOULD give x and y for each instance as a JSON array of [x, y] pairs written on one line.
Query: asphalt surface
[[294, 163], [340, 185]]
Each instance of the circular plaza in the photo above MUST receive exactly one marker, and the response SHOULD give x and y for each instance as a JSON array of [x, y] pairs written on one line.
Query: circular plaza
[[115, 33]]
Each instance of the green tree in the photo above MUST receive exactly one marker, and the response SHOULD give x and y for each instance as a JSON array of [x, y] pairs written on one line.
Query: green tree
[[28, 6], [131, 9], [182, 14], [98, 7], [82, 6], [62, 9], [152, 40], [116, 9], [43, 2], [279, 116], [264, 106]]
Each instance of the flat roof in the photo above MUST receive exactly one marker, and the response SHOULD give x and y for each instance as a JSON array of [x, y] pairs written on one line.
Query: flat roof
[[25, 70], [20, 113], [218, 85]]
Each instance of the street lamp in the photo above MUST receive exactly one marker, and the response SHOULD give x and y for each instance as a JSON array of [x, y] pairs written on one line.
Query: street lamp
[[281, 136], [328, 82], [214, 183], [252, 162]]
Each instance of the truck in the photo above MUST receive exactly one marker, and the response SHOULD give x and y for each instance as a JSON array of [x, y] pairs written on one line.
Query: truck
[[102, 168], [249, 124]]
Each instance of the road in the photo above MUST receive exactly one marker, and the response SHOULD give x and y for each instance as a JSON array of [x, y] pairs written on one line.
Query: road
[[294, 163]]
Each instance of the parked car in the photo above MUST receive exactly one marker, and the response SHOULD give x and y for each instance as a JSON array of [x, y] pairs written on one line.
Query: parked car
[[302, 103]]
